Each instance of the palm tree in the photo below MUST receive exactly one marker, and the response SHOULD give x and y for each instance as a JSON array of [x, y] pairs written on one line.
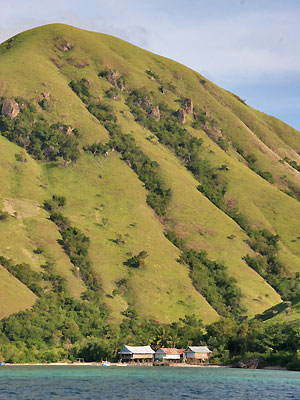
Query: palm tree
[[162, 338]]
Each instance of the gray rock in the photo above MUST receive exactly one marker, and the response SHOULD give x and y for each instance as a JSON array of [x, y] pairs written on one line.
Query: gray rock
[[66, 46], [115, 79], [10, 108], [181, 116], [188, 105], [46, 95], [112, 77], [120, 84], [69, 131], [155, 113], [254, 363]]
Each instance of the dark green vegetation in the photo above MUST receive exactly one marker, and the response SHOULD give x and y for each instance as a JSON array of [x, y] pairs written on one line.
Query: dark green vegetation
[[73, 241], [23, 272], [212, 280], [251, 160], [33, 132], [136, 261], [61, 328], [267, 264], [137, 200], [55, 325]]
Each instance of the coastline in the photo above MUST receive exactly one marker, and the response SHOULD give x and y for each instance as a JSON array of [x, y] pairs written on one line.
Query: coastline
[[99, 364]]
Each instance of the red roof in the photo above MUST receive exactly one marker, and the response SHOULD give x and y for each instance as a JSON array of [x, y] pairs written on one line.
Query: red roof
[[169, 350], [180, 351]]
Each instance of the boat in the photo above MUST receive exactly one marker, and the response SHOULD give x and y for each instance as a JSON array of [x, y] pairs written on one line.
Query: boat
[[121, 365], [105, 363]]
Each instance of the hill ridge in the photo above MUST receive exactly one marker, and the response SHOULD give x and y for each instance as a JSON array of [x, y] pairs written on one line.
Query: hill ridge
[[229, 159]]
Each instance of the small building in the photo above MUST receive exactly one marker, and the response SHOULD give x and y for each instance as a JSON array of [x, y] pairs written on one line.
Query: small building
[[136, 353], [166, 353], [201, 353], [181, 353]]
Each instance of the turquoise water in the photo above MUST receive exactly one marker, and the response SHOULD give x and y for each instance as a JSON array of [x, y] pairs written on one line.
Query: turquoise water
[[147, 383]]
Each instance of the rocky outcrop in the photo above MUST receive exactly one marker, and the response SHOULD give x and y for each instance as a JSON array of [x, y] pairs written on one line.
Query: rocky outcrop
[[188, 106], [64, 45], [254, 363], [67, 46], [181, 116], [120, 84], [10, 108], [46, 95], [69, 131], [115, 79], [112, 77], [155, 113]]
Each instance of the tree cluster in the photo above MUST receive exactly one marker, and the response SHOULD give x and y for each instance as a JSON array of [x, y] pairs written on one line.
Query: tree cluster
[[43, 141]]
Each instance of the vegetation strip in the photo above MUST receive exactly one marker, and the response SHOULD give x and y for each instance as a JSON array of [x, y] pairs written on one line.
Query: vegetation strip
[[209, 278], [213, 186], [158, 196], [74, 242]]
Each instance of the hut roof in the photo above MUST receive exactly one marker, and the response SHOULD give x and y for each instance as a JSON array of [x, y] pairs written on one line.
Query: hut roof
[[136, 350], [168, 350], [199, 349]]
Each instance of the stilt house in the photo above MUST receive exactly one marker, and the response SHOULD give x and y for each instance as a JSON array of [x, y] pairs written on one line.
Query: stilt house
[[165, 353], [198, 353], [137, 353]]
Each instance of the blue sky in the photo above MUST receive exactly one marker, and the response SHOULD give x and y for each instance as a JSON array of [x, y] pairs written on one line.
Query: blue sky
[[250, 47]]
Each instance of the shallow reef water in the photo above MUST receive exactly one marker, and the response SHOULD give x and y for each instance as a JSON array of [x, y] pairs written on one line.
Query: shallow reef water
[[147, 383]]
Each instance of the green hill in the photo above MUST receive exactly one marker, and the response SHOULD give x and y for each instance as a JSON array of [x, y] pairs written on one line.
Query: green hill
[[76, 89]]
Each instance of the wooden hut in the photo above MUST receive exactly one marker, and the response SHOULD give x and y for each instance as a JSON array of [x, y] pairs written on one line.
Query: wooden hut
[[167, 354], [201, 353], [136, 353]]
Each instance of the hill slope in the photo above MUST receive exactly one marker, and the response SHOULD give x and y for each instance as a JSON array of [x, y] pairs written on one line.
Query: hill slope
[[248, 173]]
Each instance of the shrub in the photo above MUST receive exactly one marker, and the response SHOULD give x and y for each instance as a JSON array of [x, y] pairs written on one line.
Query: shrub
[[81, 88], [223, 143], [137, 261], [112, 93], [3, 215], [38, 250]]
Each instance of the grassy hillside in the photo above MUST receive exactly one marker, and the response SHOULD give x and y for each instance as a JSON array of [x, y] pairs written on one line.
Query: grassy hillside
[[107, 201]]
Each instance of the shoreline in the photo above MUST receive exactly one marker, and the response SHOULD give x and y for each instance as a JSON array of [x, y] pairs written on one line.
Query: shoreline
[[99, 364]]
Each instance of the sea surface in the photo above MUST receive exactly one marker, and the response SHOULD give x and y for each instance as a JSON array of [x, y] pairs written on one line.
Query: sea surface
[[145, 383]]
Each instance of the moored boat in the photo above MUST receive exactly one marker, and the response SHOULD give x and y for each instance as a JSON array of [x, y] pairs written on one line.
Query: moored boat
[[106, 364]]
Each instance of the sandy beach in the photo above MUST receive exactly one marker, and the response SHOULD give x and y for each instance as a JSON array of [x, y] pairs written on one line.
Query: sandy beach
[[99, 364]]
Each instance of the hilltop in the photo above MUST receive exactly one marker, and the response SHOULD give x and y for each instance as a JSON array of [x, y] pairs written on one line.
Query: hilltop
[[195, 212]]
